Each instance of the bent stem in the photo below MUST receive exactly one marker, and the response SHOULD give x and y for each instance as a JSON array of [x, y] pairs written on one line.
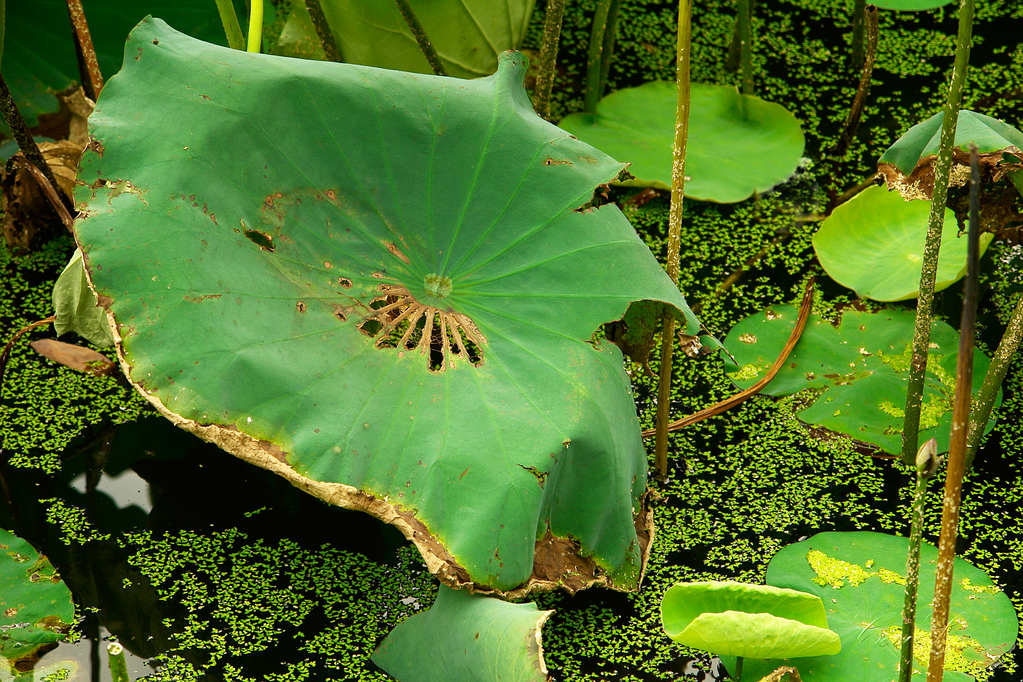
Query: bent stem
[[856, 111], [678, 181], [421, 38], [331, 49], [604, 21], [957, 440], [996, 371], [549, 56], [925, 301], [26, 143], [255, 26], [232, 29], [926, 465]]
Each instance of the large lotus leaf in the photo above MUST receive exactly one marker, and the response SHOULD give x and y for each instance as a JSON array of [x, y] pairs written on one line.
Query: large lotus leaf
[[468, 35], [35, 606], [860, 576], [465, 638], [252, 221], [39, 53], [858, 369], [738, 144], [908, 165], [738, 619], [874, 245]]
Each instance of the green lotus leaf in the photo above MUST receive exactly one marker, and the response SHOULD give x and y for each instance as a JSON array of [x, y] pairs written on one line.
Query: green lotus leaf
[[857, 369], [860, 576], [468, 35], [738, 619], [464, 638], [738, 144], [35, 606], [910, 5], [76, 308], [908, 164], [39, 54], [392, 304], [874, 245]]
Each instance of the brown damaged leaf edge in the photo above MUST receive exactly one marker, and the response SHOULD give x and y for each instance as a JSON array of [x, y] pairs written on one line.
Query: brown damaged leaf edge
[[920, 183], [557, 562]]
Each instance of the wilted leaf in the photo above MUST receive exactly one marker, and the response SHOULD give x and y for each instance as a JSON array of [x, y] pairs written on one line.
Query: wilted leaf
[[857, 369], [738, 144], [466, 638], [252, 291], [76, 357], [76, 308]]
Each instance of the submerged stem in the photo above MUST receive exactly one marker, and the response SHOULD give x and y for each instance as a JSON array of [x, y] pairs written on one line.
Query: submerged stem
[[678, 181], [255, 26], [928, 273], [548, 56], [744, 26], [232, 28], [957, 440], [421, 38]]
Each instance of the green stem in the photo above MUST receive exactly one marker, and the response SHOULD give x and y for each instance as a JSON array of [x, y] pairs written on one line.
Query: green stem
[[255, 26], [421, 38], [608, 50], [996, 371], [232, 29], [926, 464], [118, 666], [957, 440], [925, 301], [549, 56], [3, 27], [737, 676], [594, 58], [328, 42], [859, 22], [678, 182], [745, 28]]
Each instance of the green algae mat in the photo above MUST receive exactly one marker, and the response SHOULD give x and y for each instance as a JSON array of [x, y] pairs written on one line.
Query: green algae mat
[[406, 330]]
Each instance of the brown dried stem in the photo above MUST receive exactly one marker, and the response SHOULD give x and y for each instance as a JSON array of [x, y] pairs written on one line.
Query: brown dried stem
[[852, 121], [88, 65]]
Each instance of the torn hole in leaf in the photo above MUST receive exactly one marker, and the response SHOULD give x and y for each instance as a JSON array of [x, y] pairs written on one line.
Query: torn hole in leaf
[[260, 239], [398, 321]]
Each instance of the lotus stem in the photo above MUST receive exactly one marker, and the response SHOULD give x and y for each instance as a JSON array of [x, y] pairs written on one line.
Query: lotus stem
[[1000, 362], [118, 666], [856, 111], [595, 55], [3, 27], [5, 353], [26, 143], [737, 675], [421, 38], [255, 26], [610, 35], [859, 21], [549, 56], [232, 29], [926, 465], [327, 40], [925, 301], [678, 182], [88, 65], [744, 26], [957, 440]]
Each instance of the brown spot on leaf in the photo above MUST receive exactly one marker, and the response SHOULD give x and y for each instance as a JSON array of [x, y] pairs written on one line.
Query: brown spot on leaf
[[344, 282], [396, 252], [200, 299], [300, 306], [556, 162]]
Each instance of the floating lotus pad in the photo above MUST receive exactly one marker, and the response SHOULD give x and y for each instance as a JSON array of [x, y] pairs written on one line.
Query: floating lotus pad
[[910, 5], [874, 245], [738, 144], [468, 35], [737, 619], [464, 638], [908, 165], [860, 369], [860, 576], [392, 305], [35, 606]]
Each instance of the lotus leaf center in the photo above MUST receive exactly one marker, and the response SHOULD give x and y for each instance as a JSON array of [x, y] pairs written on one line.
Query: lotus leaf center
[[438, 285]]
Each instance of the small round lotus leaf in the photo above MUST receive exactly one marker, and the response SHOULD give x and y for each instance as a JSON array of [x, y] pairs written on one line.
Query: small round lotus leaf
[[737, 619], [860, 577], [393, 305], [908, 164], [467, 637], [35, 605], [738, 144], [910, 5], [874, 245], [857, 369]]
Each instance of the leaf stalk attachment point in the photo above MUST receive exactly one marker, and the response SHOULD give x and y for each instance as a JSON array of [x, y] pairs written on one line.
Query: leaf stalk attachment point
[[678, 181], [928, 273]]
